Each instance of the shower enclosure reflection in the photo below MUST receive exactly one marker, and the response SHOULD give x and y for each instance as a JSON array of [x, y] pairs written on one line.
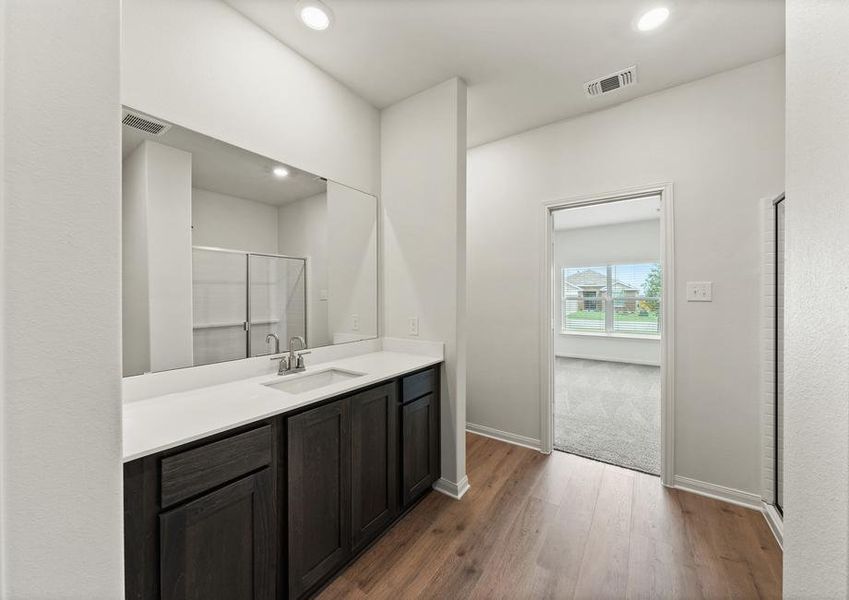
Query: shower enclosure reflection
[[227, 253], [243, 304]]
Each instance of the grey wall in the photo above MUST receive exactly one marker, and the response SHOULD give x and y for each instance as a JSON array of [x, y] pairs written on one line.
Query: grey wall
[[720, 140], [816, 393], [423, 157], [61, 396]]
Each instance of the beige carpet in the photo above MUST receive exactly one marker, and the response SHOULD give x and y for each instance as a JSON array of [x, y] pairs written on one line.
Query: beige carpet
[[608, 411]]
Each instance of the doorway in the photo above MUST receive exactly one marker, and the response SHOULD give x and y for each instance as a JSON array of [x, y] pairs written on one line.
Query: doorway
[[607, 331]]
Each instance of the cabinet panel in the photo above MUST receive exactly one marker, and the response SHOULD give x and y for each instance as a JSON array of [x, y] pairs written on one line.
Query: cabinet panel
[[374, 476], [319, 492], [419, 446], [194, 471], [223, 544]]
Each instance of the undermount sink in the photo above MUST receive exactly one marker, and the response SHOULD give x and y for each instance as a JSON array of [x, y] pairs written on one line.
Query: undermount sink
[[312, 381]]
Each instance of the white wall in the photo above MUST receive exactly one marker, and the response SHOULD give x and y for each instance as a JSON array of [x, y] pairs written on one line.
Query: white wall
[[61, 346], [351, 263], [423, 141], [156, 270], [202, 65], [223, 221], [816, 526], [169, 255], [720, 140], [302, 231], [135, 308], [635, 242]]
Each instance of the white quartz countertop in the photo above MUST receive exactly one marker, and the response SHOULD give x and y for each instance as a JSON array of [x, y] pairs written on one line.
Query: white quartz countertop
[[155, 424]]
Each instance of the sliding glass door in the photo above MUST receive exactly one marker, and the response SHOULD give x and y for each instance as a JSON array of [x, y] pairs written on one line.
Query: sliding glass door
[[245, 304]]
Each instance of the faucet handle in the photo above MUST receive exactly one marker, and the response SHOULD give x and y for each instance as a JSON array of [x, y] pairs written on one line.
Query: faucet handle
[[299, 364]]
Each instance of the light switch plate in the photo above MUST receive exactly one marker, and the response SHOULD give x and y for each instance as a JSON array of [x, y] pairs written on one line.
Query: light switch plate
[[413, 326], [699, 291]]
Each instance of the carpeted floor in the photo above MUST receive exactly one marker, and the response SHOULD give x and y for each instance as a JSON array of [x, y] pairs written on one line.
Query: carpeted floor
[[608, 411]]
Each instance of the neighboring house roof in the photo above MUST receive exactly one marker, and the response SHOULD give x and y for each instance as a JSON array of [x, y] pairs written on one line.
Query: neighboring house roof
[[589, 278]]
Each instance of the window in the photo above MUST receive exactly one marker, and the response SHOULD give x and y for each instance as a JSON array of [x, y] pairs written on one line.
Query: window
[[614, 299]]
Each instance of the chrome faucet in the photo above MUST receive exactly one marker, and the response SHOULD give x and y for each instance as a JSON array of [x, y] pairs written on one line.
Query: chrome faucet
[[276, 342], [294, 361]]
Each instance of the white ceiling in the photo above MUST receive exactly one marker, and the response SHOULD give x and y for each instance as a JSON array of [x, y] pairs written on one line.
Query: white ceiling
[[609, 213], [220, 167], [525, 61]]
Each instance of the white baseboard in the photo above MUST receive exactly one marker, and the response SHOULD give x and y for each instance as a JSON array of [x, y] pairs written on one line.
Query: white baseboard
[[775, 522], [449, 488], [718, 492], [504, 436]]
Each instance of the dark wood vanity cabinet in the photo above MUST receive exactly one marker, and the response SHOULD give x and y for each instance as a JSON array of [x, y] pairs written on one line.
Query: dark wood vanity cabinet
[[342, 483], [222, 544], [419, 434], [275, 509], [201, 522], [374, 460], [319, 494]]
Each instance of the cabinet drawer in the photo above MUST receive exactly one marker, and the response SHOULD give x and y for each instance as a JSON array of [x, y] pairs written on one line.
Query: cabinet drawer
[[200, 469], [416, 386]]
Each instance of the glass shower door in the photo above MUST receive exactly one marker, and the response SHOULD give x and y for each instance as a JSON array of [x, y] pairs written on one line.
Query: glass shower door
[[219, 305], [277, 302]]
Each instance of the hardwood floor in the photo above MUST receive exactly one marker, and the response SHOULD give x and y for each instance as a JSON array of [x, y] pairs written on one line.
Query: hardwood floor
[[561, 526]]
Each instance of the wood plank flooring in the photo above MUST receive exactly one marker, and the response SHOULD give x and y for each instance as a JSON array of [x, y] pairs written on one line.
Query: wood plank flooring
[[561, 526]]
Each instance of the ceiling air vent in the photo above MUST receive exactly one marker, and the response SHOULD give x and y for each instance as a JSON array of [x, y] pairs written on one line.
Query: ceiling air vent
[[609, 83], [144, 123]]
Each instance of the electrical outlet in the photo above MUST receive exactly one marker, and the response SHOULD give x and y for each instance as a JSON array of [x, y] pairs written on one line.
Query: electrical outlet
[[699, 291], [355, 322], [413, 326]]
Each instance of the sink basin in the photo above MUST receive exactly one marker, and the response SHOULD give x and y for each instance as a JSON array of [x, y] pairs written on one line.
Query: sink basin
[[312, 381]]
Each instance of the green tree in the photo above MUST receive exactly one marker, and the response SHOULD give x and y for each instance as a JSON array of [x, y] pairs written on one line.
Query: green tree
[[652, 287]]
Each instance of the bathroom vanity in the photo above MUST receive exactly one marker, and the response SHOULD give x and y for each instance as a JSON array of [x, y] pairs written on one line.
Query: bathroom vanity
[[276, 505], [243, 480]]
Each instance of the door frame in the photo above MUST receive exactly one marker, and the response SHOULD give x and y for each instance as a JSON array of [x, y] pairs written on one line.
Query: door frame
[[667, 353]]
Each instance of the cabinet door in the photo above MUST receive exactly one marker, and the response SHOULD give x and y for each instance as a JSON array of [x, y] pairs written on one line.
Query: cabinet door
[[319, 492], [374, 474], [223, 544], [419, 446]]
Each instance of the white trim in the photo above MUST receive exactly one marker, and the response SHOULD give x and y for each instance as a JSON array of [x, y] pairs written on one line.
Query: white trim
[[775, 522], [630, 361], [504, 436], [451, 489], [718, 492], [611, 336], [547, 318]]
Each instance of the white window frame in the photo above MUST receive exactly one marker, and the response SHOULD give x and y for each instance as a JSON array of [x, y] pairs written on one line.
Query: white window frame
[[608, 302]]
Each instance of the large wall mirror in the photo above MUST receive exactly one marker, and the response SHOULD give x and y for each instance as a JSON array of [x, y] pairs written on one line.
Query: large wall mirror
[[228, 254]]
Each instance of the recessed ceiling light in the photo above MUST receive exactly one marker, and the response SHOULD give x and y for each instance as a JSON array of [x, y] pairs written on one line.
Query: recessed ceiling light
[[653, 19], [315, 14], [280, 171]]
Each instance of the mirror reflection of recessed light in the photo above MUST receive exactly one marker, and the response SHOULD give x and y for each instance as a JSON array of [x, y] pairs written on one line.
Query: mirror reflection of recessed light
[[280, 171], [653, 19], [314, 14]]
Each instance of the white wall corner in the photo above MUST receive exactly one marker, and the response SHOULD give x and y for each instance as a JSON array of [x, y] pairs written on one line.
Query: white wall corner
[[775, 522], [423, 200], [452, 489], [505, 436], [718, 492]]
